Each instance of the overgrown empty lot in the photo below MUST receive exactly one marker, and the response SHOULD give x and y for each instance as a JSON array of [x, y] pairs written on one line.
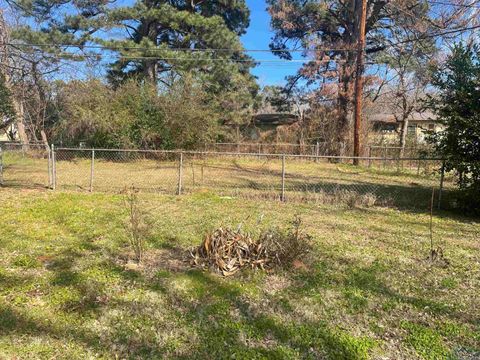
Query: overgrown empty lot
[[366, 290]]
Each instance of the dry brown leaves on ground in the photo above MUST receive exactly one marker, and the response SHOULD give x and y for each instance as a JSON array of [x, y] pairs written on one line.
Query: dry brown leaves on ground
[[227, 251]]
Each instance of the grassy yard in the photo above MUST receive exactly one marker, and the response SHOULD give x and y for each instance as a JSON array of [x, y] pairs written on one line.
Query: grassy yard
[[68, 291]]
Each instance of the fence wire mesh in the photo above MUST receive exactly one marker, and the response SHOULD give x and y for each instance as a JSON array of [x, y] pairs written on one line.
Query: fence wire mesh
[[377, 181], [386, 151], [259, 148], [25, 166]]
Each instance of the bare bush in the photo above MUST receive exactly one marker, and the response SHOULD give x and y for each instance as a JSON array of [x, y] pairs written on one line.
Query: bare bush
[[136, 224]]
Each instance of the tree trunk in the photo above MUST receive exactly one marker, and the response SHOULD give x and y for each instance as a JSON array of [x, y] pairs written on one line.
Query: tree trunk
[[45, 140], [301, 136], [346, 82], [17, 104], [150, 66], [150, 71], [22, 134], [403, 136]]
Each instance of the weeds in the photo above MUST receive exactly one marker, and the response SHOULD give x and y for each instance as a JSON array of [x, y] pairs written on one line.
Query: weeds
[[288, 246], [436, 254], [136, 224]]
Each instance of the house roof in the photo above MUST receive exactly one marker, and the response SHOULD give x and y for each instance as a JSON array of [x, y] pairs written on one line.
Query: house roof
[[424, 116], [275, 119]]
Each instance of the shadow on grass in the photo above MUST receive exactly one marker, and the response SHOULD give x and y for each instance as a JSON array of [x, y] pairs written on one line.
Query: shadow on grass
[[369, 280], [228, 324], [216, 318]]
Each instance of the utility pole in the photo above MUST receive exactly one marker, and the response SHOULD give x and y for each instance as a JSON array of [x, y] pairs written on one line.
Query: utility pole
[[361, 13]]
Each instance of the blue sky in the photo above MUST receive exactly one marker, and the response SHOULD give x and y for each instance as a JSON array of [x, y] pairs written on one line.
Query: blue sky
[[258, 37]]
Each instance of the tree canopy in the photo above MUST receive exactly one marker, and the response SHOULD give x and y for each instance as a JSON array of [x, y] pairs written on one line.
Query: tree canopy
[[156, 40]]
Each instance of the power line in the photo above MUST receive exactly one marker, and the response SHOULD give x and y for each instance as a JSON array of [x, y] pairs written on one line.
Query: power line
[[426, 36], [473, 5], [271, 61], [118, 48]]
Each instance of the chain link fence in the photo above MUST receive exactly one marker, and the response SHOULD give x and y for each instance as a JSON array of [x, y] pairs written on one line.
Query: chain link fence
[[383, 181], [25, 166], [387, 151], [260, 148], [318, 149]]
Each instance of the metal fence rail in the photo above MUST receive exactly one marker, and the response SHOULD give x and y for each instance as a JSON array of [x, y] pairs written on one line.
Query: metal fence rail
[[387, 151], [317, 149], [287, 177]]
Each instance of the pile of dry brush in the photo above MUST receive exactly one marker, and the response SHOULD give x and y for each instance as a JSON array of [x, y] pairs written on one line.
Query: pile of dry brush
[[227, 251]]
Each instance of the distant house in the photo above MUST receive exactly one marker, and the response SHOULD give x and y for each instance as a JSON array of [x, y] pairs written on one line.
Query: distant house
[[264, 123], [274, 119], [418, 124]]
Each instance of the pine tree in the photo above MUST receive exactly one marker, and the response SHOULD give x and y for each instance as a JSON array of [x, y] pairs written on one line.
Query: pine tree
[[145, 37], [156, 41], [457, 106]]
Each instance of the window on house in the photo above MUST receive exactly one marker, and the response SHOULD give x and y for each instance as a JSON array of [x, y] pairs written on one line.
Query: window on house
[[412, 129], [431, 127], [388, 128]]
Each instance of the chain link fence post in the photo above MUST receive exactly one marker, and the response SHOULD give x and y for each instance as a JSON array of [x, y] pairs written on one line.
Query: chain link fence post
[[282, 198], [180, 174], [370, 156], [1, 166], [384, 157], [49, 166], [54, 168], [442, 180], [92, 170]]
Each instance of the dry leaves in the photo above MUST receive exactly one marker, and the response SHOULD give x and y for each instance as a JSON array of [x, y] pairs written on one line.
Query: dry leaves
[[227, 251]]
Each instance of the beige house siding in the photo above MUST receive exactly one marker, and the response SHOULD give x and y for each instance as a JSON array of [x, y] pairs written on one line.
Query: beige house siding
[[419, 124]]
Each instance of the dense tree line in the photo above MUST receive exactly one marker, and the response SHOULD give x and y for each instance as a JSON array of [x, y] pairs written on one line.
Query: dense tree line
[[162, 48]]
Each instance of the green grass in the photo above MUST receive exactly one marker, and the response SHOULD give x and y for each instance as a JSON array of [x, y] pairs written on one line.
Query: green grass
[[67, 292]]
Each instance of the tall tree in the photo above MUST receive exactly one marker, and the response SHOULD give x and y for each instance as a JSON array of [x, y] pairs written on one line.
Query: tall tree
[[326, 32], [7, 111], [408, 77], [457, 106]]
